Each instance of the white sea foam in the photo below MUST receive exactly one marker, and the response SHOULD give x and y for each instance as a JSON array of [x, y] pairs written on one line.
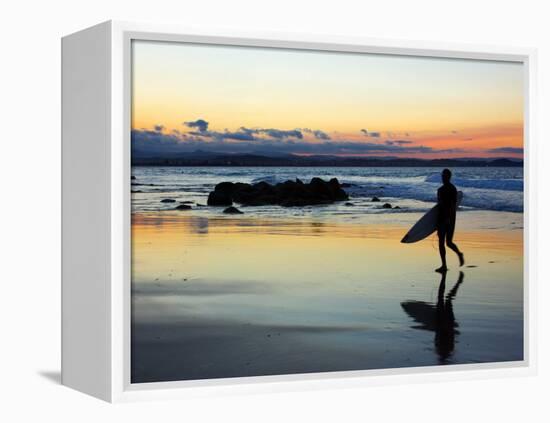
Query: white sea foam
[[413, 189]]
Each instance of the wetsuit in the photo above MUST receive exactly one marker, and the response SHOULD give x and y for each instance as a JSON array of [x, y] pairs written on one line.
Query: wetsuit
[[446, 198]]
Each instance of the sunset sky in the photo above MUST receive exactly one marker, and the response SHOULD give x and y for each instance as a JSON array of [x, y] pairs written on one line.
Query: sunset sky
[[237, 99]]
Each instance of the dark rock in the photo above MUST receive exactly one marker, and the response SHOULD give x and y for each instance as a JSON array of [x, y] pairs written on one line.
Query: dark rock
[[319, 187], [396, 207], [287, 194], [186, 202], [347, 185], [349, 204], [216, 198], [136, 191], [375, 199], [183, 207], [336, 190], [225, 188], [168, 200], [232, 210], [133, 177], [386, 206]]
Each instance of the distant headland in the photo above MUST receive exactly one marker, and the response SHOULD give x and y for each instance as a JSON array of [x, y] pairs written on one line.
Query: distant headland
[[201, 158]]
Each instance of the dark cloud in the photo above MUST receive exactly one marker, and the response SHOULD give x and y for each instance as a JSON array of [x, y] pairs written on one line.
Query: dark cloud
[[278, 133], [317, 133], [250, 134], [510, 150], [242, 135], [154, 142], [397, 142], [145, 142], [370, 134], [200, 124]]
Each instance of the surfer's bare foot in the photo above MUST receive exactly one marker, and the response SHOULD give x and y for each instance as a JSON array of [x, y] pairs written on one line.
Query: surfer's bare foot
[[441, 269], [461, 259]]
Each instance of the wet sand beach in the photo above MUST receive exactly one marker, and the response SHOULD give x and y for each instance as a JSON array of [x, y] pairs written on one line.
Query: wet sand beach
[[218, 296]]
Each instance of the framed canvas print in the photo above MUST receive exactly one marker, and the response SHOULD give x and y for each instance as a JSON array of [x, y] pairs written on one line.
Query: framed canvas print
[[272, 211]]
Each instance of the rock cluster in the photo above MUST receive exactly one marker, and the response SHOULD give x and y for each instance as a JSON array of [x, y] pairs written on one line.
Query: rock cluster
[[232, 210], [287, 194]]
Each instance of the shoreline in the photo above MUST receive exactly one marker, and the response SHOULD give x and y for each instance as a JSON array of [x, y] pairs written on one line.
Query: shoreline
[[467, 220]]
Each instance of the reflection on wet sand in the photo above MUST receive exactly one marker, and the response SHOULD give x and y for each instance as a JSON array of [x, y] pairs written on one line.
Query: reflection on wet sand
[[438, 318], [225, 297]]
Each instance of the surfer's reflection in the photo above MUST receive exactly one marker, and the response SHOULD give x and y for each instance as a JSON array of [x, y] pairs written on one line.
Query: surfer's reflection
[[438, 318]]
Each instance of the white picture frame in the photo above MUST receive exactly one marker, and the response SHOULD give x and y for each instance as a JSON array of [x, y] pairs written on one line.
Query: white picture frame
[[96, 212]]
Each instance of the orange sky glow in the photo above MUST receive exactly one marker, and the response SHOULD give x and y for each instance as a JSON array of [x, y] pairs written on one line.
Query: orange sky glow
[[347, 104]]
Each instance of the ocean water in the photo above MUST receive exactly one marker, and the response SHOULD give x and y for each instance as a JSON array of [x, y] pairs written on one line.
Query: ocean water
[[412, 189]]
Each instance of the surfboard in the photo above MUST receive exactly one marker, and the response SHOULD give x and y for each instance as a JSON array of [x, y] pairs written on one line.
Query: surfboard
[[427, 224]]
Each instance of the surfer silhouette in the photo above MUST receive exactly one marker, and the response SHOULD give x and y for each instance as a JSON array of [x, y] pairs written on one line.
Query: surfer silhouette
[[446, 219]]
